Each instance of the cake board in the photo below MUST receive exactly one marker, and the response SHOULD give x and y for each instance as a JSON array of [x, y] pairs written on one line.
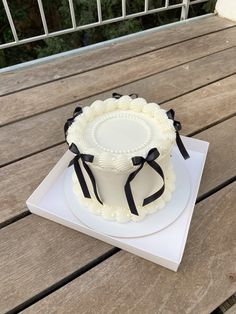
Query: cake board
[[165, 247], [152, 223]]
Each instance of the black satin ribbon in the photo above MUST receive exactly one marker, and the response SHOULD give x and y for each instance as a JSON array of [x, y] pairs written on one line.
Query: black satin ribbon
[[84, 158], [117, 95], [140, 161], [77, 112], [177, 125]]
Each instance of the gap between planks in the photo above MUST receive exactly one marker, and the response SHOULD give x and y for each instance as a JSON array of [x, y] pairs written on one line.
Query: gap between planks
[[64, 281], [118, 275], [39, 68], [45, 98], [222, 137], [204, 195], [32, 154], [134, 81], [228, 306], [36, 298], [186, 119], [63, 142], [207, 72], [199, 199]]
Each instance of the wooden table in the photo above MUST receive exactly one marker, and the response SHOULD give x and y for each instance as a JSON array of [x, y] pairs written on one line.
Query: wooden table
[[48, 268]]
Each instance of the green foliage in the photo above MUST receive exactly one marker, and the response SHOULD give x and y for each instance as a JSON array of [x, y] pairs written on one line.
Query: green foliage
[[28, 23], [2, 58], [209, 6], [52, 45], [202, 8]]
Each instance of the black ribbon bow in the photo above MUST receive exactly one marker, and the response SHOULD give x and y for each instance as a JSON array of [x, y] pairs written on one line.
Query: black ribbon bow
[[140, 161], [177, 125], [84, 158], [117, 95], [77, 111]]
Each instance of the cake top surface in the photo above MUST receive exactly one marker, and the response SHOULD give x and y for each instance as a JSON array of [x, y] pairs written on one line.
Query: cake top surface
[[115, 130]]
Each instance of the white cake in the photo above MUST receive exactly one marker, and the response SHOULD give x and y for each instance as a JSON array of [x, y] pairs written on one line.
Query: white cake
[[116, 132]]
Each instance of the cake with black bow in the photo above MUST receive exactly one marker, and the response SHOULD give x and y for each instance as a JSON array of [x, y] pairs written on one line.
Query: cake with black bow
[[122, 156]]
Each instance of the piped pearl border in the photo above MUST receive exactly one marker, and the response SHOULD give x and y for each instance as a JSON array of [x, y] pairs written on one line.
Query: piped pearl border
[[119, 162], [121, 115]]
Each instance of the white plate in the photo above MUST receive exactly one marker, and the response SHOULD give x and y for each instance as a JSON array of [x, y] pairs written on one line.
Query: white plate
[[151, 223]]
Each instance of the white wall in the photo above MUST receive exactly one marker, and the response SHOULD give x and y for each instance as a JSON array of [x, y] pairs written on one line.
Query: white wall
[[226, 9]]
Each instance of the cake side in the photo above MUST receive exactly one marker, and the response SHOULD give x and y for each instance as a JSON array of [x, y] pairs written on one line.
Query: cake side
[[111, 189]]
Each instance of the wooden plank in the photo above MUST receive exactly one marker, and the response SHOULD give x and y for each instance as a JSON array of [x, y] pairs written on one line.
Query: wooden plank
[[231, 310], [17, 174], [56, 94], [222, 154], [36, 253], [33, 137], [229, 304], [23, 258], [202, 282], [20, 179], [45, 235], [205, 106], [183, 79], [68, 66]]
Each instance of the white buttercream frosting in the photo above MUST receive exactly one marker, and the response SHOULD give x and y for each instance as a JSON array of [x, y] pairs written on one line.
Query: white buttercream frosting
[[114, 131], [122, 214]]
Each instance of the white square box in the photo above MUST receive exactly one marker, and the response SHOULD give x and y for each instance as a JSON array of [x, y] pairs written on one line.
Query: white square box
[[165, 247]]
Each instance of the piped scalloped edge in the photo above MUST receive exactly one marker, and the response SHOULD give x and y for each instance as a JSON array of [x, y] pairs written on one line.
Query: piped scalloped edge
[[123, 214], [113, 161]]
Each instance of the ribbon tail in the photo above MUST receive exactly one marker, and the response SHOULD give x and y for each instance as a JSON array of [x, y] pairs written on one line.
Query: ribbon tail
[[71, 163], [67, 125], [93, 181], [81, 179], [157, 194], [128, 191], [181, 147]]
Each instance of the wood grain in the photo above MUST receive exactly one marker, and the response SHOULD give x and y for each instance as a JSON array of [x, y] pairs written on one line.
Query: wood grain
[[36, 253], [229, 304], [185, 78], [67, 66], [231, 310], [58, 93], [205, 106], [220, 162], [16, 236], [128, 284], [42, 131], [218, 168], [20, 179]]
